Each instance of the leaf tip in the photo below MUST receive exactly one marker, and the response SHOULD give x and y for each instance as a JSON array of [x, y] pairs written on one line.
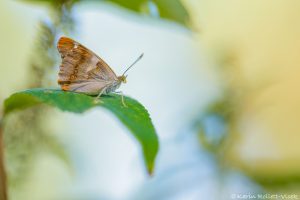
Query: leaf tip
[[150, 170]]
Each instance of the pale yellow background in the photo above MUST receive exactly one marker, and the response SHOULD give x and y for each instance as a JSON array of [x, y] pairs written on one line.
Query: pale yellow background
[[256, 44]]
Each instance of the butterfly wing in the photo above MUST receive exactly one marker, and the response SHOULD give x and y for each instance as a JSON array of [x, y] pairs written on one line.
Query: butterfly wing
[[82, 70]]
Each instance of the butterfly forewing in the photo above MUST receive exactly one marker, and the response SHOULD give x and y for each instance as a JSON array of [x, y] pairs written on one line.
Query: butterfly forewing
[[81, 69]]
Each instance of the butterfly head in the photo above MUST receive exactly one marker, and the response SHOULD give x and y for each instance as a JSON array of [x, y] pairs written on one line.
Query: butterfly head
[[122, 79]]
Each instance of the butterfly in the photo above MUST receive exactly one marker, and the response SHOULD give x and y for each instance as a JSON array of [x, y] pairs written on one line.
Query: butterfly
[[83, 71]]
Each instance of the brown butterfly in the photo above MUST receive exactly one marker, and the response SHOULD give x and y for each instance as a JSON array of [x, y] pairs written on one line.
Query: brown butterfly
[[83, 71]]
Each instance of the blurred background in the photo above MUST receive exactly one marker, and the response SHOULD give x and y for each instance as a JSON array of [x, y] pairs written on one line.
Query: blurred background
[[219, 79]]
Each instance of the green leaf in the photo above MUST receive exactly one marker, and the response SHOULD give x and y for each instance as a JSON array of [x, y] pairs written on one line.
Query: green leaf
[[135, 117], [173, 10], [168, 9]]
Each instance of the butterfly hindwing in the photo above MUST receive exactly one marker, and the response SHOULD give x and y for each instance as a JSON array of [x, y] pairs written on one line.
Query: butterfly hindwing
[[81, 69]]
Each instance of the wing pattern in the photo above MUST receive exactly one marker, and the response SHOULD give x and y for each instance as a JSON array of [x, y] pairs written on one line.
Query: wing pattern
[[82, 70]]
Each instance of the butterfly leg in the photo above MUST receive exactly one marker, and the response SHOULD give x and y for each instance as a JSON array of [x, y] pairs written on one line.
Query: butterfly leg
[[101, 92], [122, 97], [97, 99]]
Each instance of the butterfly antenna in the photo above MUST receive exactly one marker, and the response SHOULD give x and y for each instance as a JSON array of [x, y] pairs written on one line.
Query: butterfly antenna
[[139, 58]]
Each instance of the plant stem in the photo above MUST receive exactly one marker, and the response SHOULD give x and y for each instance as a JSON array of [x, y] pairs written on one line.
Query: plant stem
[[3, 186]]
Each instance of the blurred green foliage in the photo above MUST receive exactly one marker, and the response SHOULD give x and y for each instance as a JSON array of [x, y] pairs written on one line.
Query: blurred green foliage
[[134, 116], [213, 125], [27, 134], [172, 10], [167, 9]]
